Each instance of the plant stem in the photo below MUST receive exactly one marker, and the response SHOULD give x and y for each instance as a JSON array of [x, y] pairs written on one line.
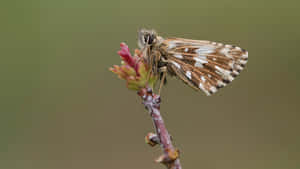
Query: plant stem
[[162, 137]]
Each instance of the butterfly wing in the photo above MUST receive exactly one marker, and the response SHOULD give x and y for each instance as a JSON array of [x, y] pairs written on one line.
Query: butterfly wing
[[204, 65]]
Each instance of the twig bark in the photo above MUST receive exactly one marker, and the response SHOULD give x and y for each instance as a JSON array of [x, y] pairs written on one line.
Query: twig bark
[[170, 157]]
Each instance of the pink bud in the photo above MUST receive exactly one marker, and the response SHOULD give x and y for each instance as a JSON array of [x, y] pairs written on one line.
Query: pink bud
[[126, 56]]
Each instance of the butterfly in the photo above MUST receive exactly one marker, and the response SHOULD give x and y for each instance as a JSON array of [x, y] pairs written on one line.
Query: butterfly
[[201, 64]]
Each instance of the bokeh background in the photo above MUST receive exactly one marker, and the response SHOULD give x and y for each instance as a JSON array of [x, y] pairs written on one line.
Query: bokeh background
[[60, 107]]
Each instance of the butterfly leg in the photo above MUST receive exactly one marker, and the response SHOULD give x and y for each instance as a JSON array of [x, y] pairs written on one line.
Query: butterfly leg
[[149, 61], [163, 70], [153, 62]]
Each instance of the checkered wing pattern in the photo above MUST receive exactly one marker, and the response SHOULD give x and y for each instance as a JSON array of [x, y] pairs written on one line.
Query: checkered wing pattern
[[204, 65]]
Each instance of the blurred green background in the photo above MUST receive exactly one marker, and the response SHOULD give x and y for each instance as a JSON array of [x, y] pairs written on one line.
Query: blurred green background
[[62, 109]]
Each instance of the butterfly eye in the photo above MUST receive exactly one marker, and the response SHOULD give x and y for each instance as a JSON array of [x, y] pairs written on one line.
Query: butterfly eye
[[149, 38], [146, 38]]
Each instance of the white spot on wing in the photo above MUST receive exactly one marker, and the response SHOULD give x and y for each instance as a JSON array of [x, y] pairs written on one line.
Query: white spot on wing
[[171, 45], [219, 69], [235, 72], [200, 61], [203, 57], [239, 67], [202, 88], [203, 78], [224, 73], [220, 83], [213, 89], [243, 61], [245, 55], [198, 64], [238, 48], [176, 64], [228, 46], [225, 51], [230, 64], [186, 49], [179, 56], [205, 50], [230, 78], [189, 74]]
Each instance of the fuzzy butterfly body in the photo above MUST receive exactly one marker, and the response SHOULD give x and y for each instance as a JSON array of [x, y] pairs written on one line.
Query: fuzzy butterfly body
[[201, 64]]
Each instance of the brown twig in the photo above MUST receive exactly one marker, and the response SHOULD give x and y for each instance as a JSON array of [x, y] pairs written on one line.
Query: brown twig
[[170, 156], [137, 74]]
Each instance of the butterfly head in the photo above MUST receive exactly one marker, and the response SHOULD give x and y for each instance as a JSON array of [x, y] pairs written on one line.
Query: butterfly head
[[147, 38]]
